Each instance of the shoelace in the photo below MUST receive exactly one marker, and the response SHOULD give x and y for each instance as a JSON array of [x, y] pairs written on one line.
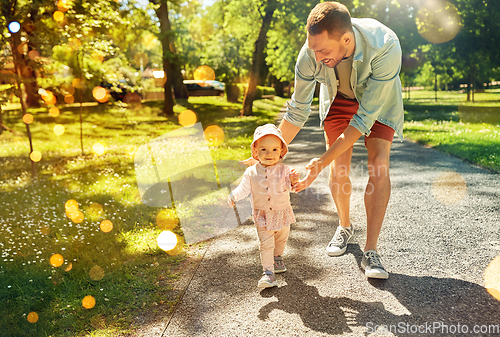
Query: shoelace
[[341, 235], [374, 259]]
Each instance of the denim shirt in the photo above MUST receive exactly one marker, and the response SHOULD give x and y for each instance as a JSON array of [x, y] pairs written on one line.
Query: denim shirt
[[374, 79]]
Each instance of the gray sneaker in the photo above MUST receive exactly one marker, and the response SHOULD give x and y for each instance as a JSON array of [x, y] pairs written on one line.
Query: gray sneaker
[[338, 244], [372, 265], [267, 280], [279, 265]]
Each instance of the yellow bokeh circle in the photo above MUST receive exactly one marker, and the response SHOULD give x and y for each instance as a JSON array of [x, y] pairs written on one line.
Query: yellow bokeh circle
[[167, 219], [56, 260], [58, 16], [36, 156], [100, 94], [77, 217], [214, 135], [54, 112], [96, 273], [187, 118], [28, 118], [492, 278], [59, 129], [106, 226], [95, 209], [88, 302], [32, 317], [98, 149], [69, 99], [71, 205], [204, 73]]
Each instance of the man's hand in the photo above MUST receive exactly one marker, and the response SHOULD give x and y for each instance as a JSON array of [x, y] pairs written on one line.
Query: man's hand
[[248, 162], [294, 176], [230, 202], [314, 168]]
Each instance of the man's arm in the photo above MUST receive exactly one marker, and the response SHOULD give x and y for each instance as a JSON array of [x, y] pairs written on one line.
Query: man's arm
[[316, 165], [288, 130]]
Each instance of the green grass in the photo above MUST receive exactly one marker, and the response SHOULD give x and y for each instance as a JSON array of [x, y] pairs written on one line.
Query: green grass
[[137, 275], [467, 130]]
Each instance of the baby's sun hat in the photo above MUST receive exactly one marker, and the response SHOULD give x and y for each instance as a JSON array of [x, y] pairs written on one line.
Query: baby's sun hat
[[268, 129]]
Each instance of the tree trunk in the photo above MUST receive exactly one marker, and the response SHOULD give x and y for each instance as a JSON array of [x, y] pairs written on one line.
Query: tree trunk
[[257, 59], [165, 30], [180, 90], [28, 76]]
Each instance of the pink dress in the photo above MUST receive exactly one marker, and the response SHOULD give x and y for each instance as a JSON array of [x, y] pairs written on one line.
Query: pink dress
[[270, 188]]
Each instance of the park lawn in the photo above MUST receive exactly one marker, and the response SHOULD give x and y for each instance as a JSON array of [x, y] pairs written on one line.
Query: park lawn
[[464, 129], [124, 270]]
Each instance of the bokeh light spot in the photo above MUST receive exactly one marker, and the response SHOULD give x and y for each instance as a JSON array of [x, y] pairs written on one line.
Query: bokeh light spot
[[32, 317], [54, 111], [167, 240], [167, 219], [133, 100], [33, 54], [438, 21], [187, 118], [63, 5], [56, 260], [59, 129], [69, 266], [14, 27], [88, 302], [77, 217], [77, 83], [28, 118], [98, 149], [58, 16], [68, 89], [141, 59], [204, 73], [69, 99], [95, 209], [47, 96], [160, 78], [214, 135], [22, 48], [492, 278], [100, 94], [106, 226], [96, 273], [449, 187], [36, 156], [71, 205]]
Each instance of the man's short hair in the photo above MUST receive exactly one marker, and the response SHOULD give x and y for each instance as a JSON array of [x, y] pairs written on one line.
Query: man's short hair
[[331, 16]]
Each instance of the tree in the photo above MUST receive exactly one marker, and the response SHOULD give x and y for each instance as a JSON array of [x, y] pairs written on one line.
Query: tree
[[257, 58], [171, 65]]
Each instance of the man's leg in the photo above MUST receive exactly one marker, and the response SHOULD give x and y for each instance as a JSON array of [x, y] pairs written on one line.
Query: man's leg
[[340, 186], [378, 189]]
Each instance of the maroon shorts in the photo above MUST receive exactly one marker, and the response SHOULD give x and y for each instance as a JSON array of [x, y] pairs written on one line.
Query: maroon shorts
[[339, 116]]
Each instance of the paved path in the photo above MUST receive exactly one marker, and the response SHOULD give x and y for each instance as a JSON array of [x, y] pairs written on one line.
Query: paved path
[[435, 250]]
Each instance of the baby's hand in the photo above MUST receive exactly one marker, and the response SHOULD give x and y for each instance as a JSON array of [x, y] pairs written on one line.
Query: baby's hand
[[230, 202], [294, 176]]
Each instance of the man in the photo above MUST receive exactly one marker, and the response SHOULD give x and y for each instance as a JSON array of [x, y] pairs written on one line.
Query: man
[[357, 62]]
